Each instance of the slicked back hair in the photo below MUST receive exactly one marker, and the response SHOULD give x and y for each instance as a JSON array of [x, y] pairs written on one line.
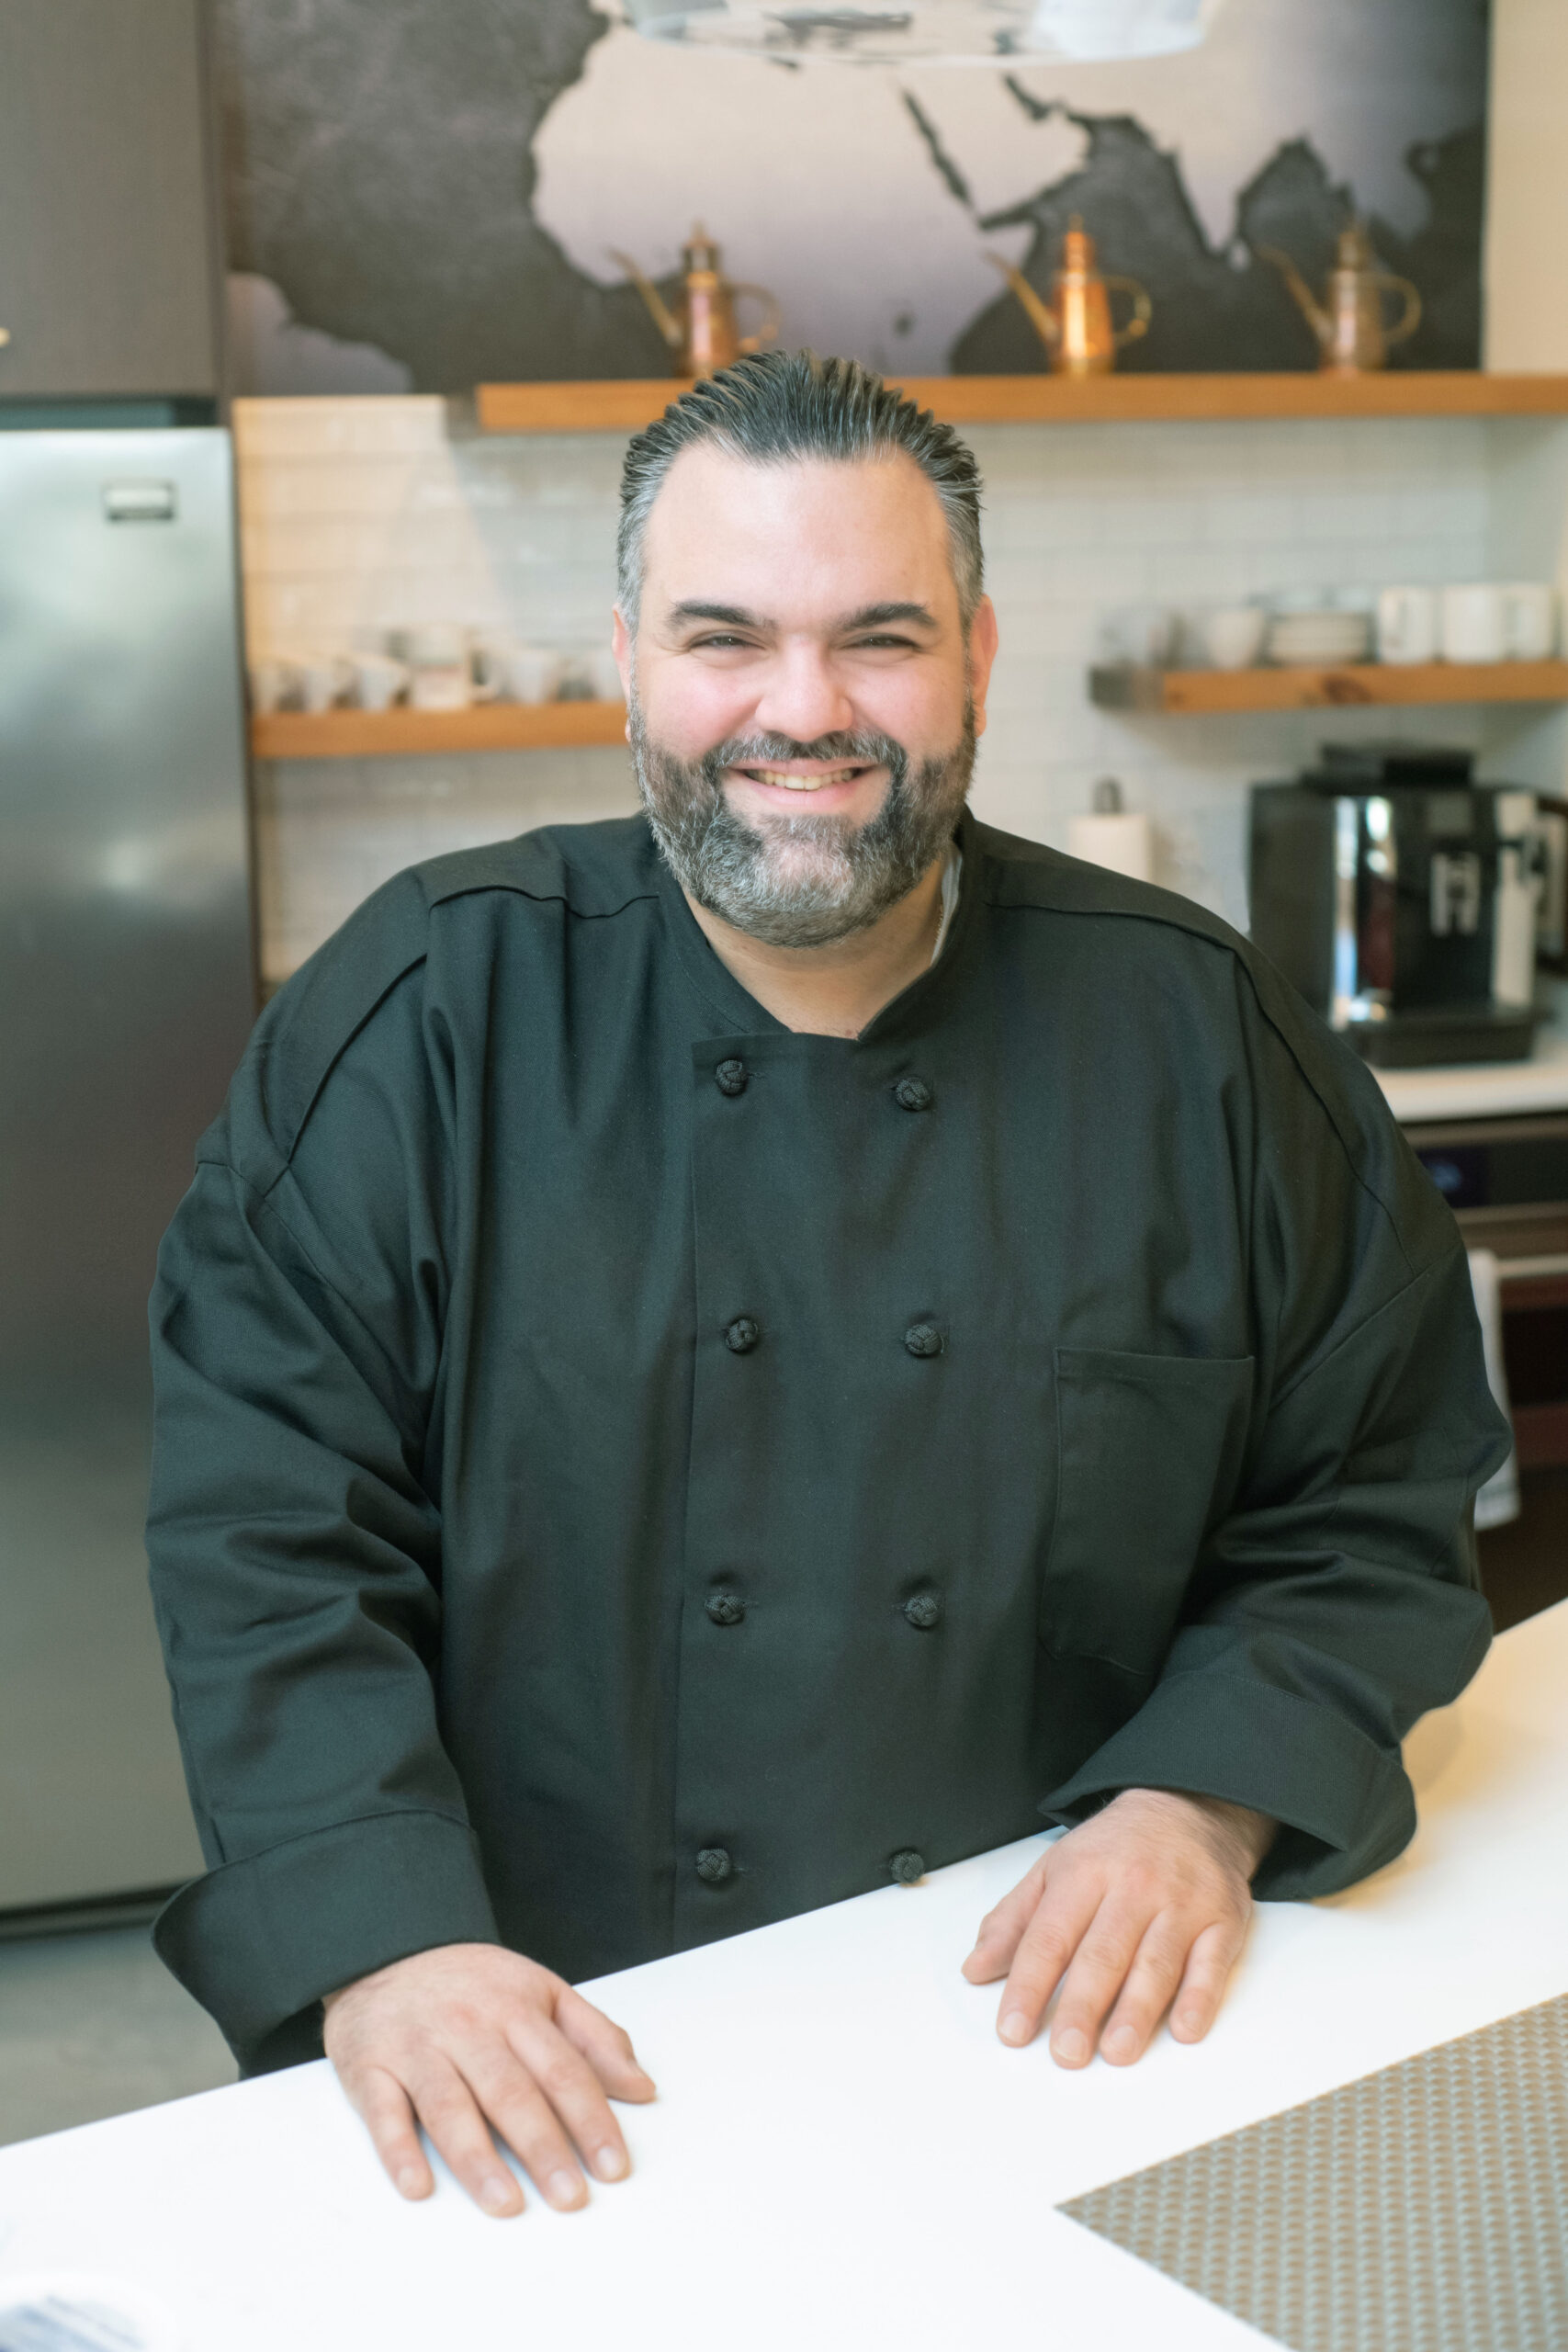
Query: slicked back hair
[[778, 406]]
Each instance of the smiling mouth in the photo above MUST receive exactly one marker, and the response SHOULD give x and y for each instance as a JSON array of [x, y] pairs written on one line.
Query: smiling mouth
[[791, 781]]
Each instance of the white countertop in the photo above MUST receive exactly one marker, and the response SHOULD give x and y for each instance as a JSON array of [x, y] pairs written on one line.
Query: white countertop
[[841, 2148], [1488, 1090]]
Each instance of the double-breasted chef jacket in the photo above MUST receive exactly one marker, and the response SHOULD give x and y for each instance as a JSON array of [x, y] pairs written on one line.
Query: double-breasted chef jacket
[[625, 1472]]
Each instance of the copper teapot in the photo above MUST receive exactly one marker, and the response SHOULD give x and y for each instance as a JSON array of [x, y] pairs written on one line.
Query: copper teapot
[[1076, 325], [1352, 332], [702, 331]]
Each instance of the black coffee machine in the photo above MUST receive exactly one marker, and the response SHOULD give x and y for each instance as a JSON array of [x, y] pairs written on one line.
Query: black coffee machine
[[1400, 897]]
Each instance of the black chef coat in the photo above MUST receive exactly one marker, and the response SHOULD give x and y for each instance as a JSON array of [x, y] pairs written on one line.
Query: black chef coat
[[625, 1472]]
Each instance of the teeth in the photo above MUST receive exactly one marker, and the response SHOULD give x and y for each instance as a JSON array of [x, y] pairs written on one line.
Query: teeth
[[799, 783]]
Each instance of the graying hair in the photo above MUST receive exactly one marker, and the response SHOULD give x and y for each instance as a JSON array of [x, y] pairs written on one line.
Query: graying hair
[[778, 405]]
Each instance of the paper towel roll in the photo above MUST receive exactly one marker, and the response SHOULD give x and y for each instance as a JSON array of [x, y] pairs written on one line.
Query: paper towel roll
[[1124, 842]]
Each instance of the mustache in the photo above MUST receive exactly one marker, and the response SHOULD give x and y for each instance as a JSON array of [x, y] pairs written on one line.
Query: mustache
[[758, 751]]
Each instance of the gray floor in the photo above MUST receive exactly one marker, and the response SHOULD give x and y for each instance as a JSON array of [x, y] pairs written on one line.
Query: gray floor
[[93, 2025]]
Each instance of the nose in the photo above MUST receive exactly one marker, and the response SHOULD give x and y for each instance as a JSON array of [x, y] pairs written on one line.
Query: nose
[[802, 698]]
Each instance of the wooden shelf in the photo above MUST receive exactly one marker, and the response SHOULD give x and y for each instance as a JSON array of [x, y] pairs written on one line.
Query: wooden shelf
[[1348, 687], [627, 405], [483, 726]]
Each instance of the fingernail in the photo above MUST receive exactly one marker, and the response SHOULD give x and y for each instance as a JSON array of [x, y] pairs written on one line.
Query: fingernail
[[565, 2188], [498, 2194], [412, 2182], [1071, 2047], [609, 2163], [1014, 2028], [1121, 2043], [1190, 2021]]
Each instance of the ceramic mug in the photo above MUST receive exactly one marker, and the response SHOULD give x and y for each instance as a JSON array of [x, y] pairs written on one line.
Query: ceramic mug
[[1530, 620], [274, 683], [1471, 626], [1234, 636], [534, 672], [378, 680], [325, 677], [1408, 625]]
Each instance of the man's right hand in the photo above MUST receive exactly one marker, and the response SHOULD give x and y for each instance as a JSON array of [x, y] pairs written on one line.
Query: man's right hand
[[465, 2039]]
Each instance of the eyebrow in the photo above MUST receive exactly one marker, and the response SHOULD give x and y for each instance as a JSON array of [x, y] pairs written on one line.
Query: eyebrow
[[878, 616], [732, 615], [869, 616]]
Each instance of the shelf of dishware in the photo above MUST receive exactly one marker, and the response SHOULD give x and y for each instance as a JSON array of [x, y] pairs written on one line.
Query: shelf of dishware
[[347, 734], [1347, 686], [626, 404]]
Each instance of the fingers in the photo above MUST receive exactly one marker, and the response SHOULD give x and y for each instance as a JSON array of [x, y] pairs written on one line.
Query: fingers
[[573, 2092], [450, 2114], [384, 2108], [1093, 1972], [1209, 1966], [474, 2043], [530, 2103], [1054, 1934], [1137, 2000], [1134, 1911], [606, 2047], [1172, 1956], [1001, 1929]]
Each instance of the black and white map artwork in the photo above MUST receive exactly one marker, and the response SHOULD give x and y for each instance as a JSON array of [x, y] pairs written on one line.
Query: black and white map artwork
[[423, 194]]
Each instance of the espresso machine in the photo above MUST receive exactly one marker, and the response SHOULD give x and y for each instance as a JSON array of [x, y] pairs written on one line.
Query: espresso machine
[[1406, 901]]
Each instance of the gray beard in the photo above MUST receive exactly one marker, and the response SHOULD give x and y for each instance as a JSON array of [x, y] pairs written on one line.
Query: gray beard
[[800, 881]]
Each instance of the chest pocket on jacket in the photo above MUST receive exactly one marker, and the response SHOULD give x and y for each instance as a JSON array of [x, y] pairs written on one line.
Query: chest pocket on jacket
[[1148, 1451]]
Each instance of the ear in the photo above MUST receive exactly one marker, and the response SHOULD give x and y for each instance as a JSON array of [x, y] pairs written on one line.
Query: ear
[[981, 653], [621, 647]]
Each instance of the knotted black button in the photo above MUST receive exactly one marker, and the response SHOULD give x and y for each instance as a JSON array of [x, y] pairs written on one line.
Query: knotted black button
[[731, 1076], [913, 1094], [725, 1608], [922, 1610], [742, 1335], [906, 1866], [920, 1338], [714, 1865]]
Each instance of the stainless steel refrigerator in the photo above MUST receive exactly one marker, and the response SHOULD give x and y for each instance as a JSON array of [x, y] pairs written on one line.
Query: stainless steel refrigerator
[[126, 994]]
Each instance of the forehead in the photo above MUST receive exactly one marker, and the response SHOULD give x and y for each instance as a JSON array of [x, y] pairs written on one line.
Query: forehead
[[829, 533]]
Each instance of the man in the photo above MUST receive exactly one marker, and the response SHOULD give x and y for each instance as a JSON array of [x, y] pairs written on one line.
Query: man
[[714, 1360]]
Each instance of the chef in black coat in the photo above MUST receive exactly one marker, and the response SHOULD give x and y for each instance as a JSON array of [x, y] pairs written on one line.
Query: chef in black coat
[[717, 1360]]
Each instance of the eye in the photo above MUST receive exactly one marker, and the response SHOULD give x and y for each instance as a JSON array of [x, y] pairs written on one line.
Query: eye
[[725, 643], [881, 642]]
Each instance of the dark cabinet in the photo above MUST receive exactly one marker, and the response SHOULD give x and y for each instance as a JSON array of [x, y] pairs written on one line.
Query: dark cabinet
[[108, 266]]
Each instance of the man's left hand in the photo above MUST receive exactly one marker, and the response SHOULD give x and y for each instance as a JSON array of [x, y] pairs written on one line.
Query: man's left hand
[[1147, 1903]]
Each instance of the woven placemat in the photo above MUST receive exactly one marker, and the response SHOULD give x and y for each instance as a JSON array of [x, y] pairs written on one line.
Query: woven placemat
[[1424, 2209]]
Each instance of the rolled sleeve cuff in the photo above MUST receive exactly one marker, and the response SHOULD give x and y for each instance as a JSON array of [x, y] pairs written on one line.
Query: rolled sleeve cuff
[[1343, 1803], [259, 1941]]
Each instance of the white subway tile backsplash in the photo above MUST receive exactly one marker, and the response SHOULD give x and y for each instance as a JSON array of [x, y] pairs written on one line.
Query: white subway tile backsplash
[[329, 831], [361, 515], [1237, 518]]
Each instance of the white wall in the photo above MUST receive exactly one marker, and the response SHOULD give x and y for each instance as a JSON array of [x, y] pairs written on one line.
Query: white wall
[[1527, 196]]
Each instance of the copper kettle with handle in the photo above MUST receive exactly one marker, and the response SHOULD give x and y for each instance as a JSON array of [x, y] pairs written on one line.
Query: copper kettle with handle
[[1076, 325], [701, 330], [1353, 334]]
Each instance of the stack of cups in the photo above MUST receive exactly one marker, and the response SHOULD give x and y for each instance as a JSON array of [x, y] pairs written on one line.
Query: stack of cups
[[1484, 621]]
